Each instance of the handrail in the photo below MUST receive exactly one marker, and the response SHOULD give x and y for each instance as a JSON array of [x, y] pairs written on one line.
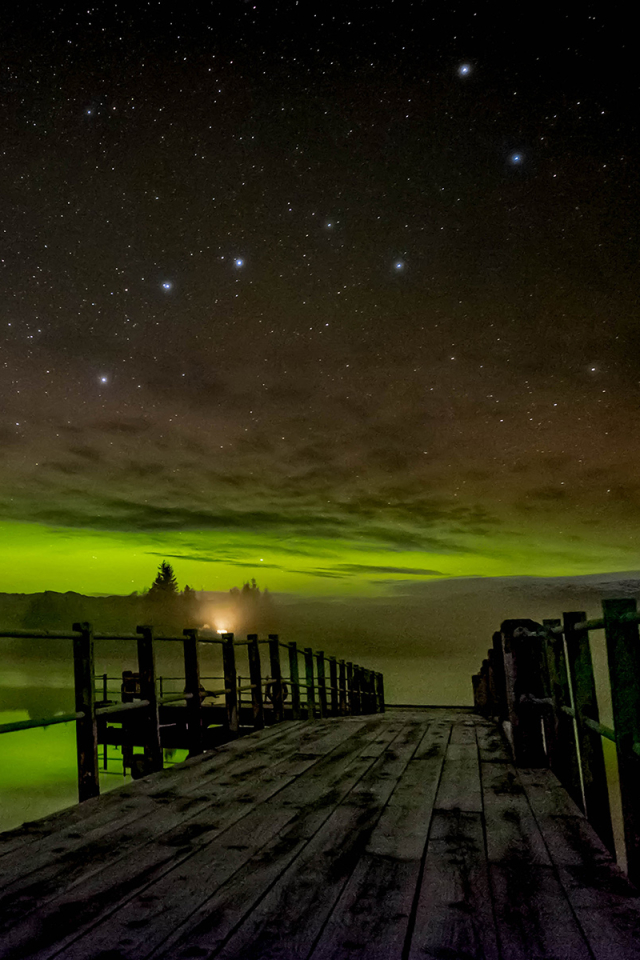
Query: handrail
[[43, 722]]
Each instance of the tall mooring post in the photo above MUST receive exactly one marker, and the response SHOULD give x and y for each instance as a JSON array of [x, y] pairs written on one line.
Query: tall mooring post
[[276, 678], [255, 676], [623, 652], [192, 687], [153, 755], [86, 726], [230, 682]]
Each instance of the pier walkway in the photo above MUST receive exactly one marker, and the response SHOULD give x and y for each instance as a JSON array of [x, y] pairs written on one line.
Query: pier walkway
[[393, 836]]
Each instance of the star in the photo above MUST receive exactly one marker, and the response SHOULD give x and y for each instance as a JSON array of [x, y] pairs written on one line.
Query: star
[[104, 379], [167, 285], [239, 262], [464, 69], [515, 158], [398, 266]]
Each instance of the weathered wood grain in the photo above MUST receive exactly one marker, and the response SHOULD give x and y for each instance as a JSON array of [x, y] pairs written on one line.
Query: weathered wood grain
[[454, 915], [106, 890]]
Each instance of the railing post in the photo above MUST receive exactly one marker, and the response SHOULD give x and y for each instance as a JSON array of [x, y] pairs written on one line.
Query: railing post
[[230, 682], [87, 726], [380, 687], [333, 681], [350, 704], [294, 681], [357, 690], [153, 755], [192, 686], [499, 677], [342, 685], [322, 683], [255, 675], [594, 777], [623, 654], [311, 694], [366, 686], [276, 677], [523, 664], [564, 756]]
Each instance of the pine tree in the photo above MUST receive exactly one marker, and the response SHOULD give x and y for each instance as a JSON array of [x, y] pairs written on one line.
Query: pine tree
[[165, 583]]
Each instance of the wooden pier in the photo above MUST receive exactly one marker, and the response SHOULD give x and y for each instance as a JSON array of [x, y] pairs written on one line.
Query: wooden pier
[[404, 835]]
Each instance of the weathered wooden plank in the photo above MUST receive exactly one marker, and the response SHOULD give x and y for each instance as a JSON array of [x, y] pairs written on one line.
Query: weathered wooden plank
[[512, 830], [460, 785], [492, 744], [464, 731], [156, 913], [82, 841], [454, 916], [100, 807], [109, 890], [372, 915], [605, 903], [287, 921]]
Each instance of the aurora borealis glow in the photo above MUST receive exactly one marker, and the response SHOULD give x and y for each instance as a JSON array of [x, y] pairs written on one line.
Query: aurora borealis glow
[[338, 299]]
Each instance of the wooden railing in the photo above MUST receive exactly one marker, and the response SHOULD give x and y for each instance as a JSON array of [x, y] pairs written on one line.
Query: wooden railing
[[538, 681], [349, 689]]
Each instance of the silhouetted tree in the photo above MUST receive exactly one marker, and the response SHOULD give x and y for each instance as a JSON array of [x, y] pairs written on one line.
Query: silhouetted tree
[[165, 583]]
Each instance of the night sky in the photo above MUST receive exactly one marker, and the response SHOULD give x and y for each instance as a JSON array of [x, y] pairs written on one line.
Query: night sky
[[340, 296]]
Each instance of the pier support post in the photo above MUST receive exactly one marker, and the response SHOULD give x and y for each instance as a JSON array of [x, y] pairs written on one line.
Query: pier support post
[[380, 692], [255, 674], [322, 683], [623, 654], [276, 678], [294, 681], [564, 754], [192, 686], [350, 703], [153, 755], [333, 682], [86, 726], [342, 685], [594, 777], [523, 665], [230, 682], [311, 693]]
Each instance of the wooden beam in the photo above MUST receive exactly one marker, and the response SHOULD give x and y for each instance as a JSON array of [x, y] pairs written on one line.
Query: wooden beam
[[311, 695], [294, 681], [255, 676], [276, 677], [564, 757], [153, 755], [594, 777], [86, 727], [192, 686], [623, 652], [230, 682]]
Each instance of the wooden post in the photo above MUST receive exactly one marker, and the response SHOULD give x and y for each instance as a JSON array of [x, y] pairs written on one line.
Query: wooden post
[[350, 709], [491, 683], [255, 676], [564, 757], [380, 686], [357, 690], [294, 681], [366, 691], [594, 778], [322, 683], [276, 678], [523, 658], [311, 695], [499, 677], [333, 681], [230, 682], [86, 727], [153, 755], [192, 686], [623, 654], [342, 685]]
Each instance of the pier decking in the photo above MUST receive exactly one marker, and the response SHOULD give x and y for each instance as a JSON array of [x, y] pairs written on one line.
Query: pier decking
[[400, 835]]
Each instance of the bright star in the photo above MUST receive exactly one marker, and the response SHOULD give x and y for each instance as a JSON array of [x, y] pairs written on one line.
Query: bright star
[[239, 262], [166, 285], [398, 265], [464, 69], [104, 379], [516, 158]]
